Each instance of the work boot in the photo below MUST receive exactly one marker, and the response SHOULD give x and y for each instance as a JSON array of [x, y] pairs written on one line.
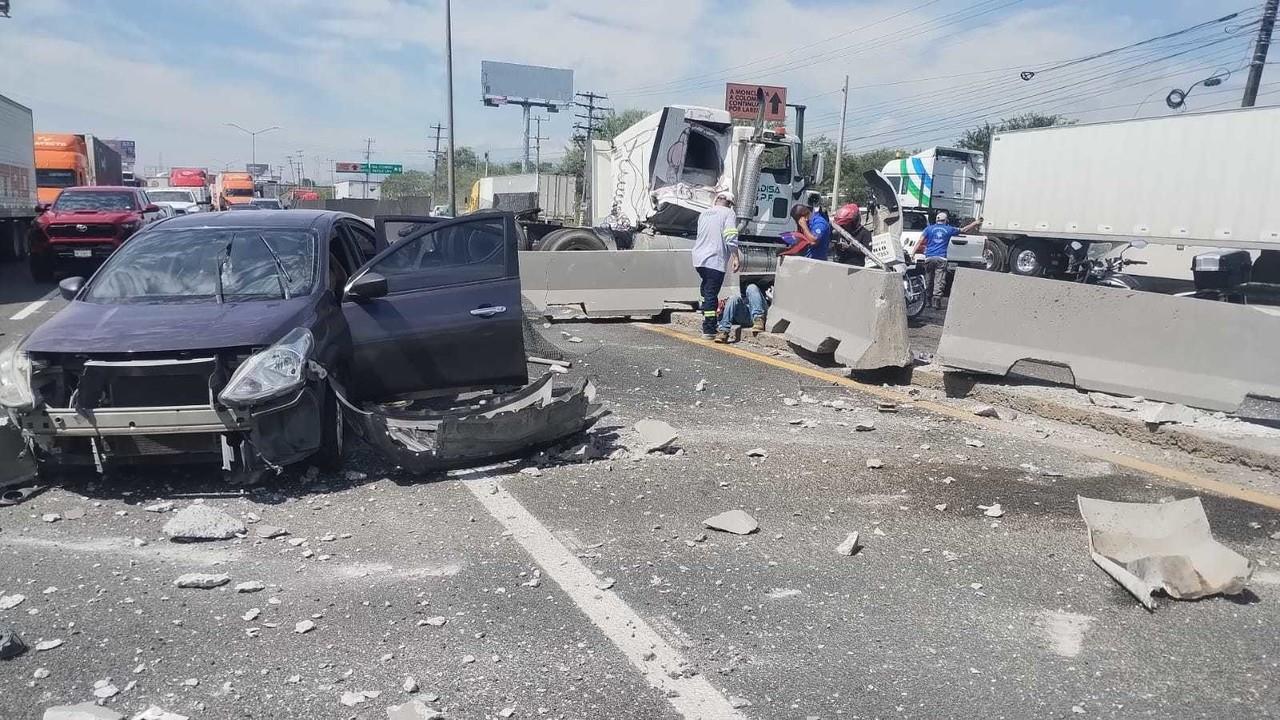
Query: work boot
[[758, 324], [722, 337]]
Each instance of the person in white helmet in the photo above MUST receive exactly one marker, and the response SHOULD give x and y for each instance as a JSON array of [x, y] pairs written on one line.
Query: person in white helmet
[[715, 252], [934, 241]]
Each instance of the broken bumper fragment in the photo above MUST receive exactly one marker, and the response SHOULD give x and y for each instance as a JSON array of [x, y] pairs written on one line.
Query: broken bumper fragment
[[481, 430]]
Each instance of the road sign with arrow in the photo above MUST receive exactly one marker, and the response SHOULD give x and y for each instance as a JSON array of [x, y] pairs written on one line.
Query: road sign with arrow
[[740, 100]]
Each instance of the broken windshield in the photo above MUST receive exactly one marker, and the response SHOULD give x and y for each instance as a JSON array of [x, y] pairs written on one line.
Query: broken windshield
[[184, 265]]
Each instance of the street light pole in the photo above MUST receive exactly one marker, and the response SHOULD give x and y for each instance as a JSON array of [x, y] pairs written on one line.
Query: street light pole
[[448, 69], [253, 138]]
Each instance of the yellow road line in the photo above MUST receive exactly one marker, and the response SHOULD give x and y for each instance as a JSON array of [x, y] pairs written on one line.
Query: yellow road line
[[1217, 487]]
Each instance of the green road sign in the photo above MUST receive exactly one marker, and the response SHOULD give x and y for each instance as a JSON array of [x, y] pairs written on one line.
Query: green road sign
[[381, 168]]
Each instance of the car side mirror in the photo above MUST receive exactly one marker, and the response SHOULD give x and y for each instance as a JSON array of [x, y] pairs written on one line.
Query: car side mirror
[[70, 287], [367, 287], [151, 208], [42, 208], [819, 166]]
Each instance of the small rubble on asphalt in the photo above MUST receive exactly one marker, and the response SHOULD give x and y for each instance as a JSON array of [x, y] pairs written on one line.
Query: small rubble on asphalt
[[202, 522], [850, 545], [732, 521]]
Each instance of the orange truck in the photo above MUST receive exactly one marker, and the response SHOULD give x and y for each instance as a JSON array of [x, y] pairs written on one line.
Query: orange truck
[[233, 188], [66, 160]]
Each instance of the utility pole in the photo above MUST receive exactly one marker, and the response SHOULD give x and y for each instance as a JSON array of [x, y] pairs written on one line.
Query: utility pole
[[844, 110], [435, 166], [1260, 47], [448, 55], [368, 152], [486, 163], [537, 162], [302, 170], [329, 162], [588, 126]]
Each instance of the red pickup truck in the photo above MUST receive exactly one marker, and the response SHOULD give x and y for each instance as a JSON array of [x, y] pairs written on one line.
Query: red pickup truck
[[84, 226]]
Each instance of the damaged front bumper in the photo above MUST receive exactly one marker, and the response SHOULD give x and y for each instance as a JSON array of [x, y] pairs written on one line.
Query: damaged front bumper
[[479, 430]]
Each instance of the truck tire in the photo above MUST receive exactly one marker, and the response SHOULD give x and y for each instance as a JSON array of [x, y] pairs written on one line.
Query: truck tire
[[572, 239], [41, 268], [996, 255], [1030, 258]]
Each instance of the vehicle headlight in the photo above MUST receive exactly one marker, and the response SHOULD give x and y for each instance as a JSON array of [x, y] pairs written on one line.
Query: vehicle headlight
[[15, 379], [271, 373]]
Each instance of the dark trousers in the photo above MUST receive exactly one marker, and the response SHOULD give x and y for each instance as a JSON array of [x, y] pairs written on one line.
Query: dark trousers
[[935, 274], [712, 280]]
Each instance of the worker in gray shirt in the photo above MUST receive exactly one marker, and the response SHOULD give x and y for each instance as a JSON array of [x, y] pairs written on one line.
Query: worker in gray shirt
[[714, 253]]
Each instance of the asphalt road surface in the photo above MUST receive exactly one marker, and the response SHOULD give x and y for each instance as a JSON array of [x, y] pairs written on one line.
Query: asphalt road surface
[[594, 591]]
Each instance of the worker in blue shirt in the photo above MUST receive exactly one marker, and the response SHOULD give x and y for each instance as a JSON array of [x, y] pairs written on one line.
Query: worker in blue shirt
[[813, 233], [934, 241]]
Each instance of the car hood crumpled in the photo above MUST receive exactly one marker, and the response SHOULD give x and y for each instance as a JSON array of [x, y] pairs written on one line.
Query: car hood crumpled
[[84, 327]]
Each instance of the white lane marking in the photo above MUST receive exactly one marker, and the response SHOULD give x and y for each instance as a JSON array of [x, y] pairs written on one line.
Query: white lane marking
[[692, 697], [1065, 631], [29, 310]]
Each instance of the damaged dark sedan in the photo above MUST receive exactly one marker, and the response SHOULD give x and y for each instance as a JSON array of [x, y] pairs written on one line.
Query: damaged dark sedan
[[254, 340]]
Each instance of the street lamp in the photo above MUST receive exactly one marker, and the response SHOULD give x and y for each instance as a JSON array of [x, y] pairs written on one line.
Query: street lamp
[[253, 138]]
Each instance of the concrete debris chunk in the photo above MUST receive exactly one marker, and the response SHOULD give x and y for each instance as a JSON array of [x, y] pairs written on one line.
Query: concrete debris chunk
[[82, 711], [351, 699], [655, 434], [251, 614], [506, 712], [11, 601], [413, 710], [940, 507], [757, 453], [155, 712], [1169, 414], [250, 586], [11, 646], [267, 532], [40, 673], [160, 507], [790, 402], [971, 442], [874, 463], [50, 644], [51, 517], [733, 521], [985, 411], [531, 472], [202, 581], [701, 386], [992, 510], [849, 546], [103, 689], [410, 684], [304, 626], [437, 621], [1150, 547], [1106, 401], [605, 583], [202, 522], [864, 426]]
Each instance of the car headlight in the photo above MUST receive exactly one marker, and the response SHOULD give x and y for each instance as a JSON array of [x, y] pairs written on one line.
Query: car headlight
[[271, 373], [15, 379]]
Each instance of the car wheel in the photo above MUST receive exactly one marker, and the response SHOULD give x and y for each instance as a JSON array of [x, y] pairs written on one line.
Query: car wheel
[[995, 255], [41, 268], [1029, 258], [572, 239], [332, 435]]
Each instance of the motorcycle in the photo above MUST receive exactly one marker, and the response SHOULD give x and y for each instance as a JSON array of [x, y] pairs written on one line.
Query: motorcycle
[[1106, 271]]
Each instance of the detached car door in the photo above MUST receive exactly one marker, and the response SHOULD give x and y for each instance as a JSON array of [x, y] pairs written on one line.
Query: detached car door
[[438, 309]]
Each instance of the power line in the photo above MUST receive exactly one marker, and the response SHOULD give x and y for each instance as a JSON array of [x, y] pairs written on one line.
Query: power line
[[590, 119]]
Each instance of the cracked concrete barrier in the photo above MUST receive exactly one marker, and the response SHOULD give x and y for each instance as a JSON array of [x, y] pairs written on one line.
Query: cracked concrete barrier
[[608, 283], [1211, 355], [857, 314]]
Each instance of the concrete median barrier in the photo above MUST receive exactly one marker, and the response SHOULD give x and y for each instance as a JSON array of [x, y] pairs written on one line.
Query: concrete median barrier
[[1206, 354], [609, 283], [857, 314]]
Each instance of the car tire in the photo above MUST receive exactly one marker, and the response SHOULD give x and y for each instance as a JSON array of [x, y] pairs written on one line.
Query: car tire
[[1029, 258], [41, 268], [572, 239], [995, 255], [332, 434]]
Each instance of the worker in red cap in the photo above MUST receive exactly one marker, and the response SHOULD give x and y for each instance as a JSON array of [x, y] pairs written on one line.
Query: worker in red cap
[[849, 219]]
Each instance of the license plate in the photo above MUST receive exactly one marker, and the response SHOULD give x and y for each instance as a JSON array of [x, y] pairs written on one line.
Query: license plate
[[84, 253]]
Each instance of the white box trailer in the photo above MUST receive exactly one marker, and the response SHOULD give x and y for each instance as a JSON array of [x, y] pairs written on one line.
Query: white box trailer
[[1184, 184], [555, 195], [17, 177]]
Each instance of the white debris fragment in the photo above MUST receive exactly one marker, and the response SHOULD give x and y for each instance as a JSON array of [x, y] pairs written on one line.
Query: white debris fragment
[[940, 507], [437, 621], [790, 402], [1105, 401], [81, 711], [160, 507], [44, 645], [732, 521], [877, 531], [202, 581], [657, 372], [202, 522], [1169, 413], [351, 699], [985, 411], [267, 532], [410, 684], [874, 463], [51, 517], [103, 689], [154, 712], [948, 480], [757, 453], [971, 442], [531, 472], [506, 712], [251, 614], [40, 673], [250, 586], [11, 601], [849, 546], [992, 510], [864, 426], [738, 703], [605, 583], [413, 710], [304, 626], [656, 434], [468, 659], [701, 386]]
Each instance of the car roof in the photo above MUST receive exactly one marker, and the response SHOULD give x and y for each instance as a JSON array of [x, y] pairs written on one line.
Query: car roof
[[102, 188], [309, 219]]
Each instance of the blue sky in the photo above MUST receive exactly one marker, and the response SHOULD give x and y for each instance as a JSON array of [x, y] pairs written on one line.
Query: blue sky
[[168, 75]]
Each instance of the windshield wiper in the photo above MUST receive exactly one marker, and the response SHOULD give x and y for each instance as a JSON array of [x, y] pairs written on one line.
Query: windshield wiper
[[222, 263], [284, 290]]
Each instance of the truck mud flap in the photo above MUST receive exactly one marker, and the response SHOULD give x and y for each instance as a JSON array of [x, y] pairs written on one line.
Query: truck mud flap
[[472, 433]]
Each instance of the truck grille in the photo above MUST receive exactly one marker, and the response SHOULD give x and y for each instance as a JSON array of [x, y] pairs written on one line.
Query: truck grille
[[91, 230]]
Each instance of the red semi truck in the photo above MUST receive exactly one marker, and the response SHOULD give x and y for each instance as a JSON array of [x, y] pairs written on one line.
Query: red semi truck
[[194, 179]]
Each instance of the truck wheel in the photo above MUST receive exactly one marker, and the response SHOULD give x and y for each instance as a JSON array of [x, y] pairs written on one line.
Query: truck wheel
[[572, 239], [41, 268], [995, 255], [1029, 258]]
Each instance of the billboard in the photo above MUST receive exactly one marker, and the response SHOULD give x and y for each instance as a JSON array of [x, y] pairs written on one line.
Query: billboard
[[127, 149], [256, 169], [741, 100], [502, 83]]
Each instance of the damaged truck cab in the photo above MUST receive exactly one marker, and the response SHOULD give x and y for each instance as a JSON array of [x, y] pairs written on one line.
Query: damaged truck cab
[[252, 340]]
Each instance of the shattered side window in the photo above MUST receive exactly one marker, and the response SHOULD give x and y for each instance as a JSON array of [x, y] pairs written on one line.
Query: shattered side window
[[434, 256]]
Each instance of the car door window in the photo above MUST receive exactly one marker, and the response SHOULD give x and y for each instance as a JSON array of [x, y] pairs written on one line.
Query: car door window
[[362, 240], [459, 253]]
